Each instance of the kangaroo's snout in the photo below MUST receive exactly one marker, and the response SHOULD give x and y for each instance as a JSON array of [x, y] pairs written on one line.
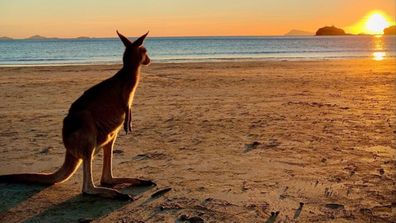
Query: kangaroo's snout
[[147, 60]]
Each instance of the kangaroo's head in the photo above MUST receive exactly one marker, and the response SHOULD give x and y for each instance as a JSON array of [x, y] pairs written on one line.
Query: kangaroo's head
[[135, 53]]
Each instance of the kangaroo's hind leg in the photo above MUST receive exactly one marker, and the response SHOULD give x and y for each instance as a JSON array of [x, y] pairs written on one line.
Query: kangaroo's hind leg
[[107, 173], [90, 188]]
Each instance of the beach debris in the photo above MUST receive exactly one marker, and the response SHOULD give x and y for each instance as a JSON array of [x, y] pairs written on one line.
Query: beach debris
[[334, 206], [317, 104], [273, 217], [282, 196], [85, 220], [251, 146], [349, 190], [366, 211], [328, 192], [46, 150], [171, 119], [176, 204], [169, 207], [201, 188], [153, 155], [118, 151], [161, 192], [244, 186], [298, 211], [272, 143], [187, 219]]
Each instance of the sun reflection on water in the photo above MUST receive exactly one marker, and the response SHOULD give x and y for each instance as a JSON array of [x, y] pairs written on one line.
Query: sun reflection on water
[[379, 54]]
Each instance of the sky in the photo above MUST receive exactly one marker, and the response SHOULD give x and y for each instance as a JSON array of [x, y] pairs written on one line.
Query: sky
[[100, 18]]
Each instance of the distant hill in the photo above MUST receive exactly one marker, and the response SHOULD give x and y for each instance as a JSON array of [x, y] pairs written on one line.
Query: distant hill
[[296, 32], [83, 37], [391, 30], [5, 38], [36, 37], [330, 31]]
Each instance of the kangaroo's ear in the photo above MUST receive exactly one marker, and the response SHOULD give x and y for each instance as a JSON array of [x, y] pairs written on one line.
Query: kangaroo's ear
[[140, 40], [124, 40]]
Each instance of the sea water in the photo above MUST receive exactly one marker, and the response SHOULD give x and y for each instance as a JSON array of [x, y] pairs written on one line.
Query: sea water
[[185, 49]]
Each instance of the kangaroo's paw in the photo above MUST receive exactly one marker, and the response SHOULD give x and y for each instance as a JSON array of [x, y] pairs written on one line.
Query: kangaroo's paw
[[108, 193], [131, 181]]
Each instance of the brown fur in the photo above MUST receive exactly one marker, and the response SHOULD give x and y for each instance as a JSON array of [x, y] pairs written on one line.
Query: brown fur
[[93, 123]]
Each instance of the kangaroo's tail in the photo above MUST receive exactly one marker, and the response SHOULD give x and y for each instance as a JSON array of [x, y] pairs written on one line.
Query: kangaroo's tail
[[62, 174]]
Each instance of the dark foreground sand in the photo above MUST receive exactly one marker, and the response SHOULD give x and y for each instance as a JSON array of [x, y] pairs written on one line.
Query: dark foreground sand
[[235, 140]]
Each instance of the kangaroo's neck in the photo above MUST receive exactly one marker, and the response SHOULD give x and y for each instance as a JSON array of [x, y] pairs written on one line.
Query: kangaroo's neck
[[129, 77]]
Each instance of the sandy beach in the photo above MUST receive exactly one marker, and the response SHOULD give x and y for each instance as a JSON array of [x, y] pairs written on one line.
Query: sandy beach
[[234, 140]]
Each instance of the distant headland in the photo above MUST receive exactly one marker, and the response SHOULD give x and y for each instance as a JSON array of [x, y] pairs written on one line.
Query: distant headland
[[5, 38], [39, 37], [391, 30]]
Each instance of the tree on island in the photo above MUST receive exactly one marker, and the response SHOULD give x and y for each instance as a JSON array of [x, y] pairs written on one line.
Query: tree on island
[[391, 30], [330, 30]]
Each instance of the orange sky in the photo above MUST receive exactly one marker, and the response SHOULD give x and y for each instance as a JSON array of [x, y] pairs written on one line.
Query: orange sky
[[100, 18]]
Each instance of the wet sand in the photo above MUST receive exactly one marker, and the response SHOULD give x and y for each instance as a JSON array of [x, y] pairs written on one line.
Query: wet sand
[[235, 141]]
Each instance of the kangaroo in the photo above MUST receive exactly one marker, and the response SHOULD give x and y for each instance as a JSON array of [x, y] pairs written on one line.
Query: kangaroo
[[93, 123]]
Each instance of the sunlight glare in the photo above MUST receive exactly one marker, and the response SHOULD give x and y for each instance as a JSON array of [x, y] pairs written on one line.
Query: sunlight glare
[[373, 23], [376, 23]]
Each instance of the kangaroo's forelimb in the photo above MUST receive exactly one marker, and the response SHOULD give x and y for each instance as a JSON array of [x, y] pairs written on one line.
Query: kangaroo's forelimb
[[128, 120]]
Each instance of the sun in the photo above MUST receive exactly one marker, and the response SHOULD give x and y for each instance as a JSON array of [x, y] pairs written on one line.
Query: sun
[[376, 23]]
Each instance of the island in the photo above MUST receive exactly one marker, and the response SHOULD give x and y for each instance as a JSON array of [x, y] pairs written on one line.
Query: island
[[5, 38], [391, 30], [330, 31], [296, 32]]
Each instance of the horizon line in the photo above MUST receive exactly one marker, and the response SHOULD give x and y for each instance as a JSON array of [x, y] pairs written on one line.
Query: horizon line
[[115, 37]]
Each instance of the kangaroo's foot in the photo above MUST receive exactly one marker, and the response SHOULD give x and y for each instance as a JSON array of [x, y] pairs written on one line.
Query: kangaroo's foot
[[107, 193], [132, 181], [88, 184]]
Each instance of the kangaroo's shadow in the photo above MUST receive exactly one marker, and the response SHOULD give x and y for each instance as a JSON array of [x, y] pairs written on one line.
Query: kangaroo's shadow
[[13, 194], [80, 208], [85, 208]]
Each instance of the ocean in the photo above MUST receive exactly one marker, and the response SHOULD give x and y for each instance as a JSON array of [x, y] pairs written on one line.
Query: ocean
[[186, 49]]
